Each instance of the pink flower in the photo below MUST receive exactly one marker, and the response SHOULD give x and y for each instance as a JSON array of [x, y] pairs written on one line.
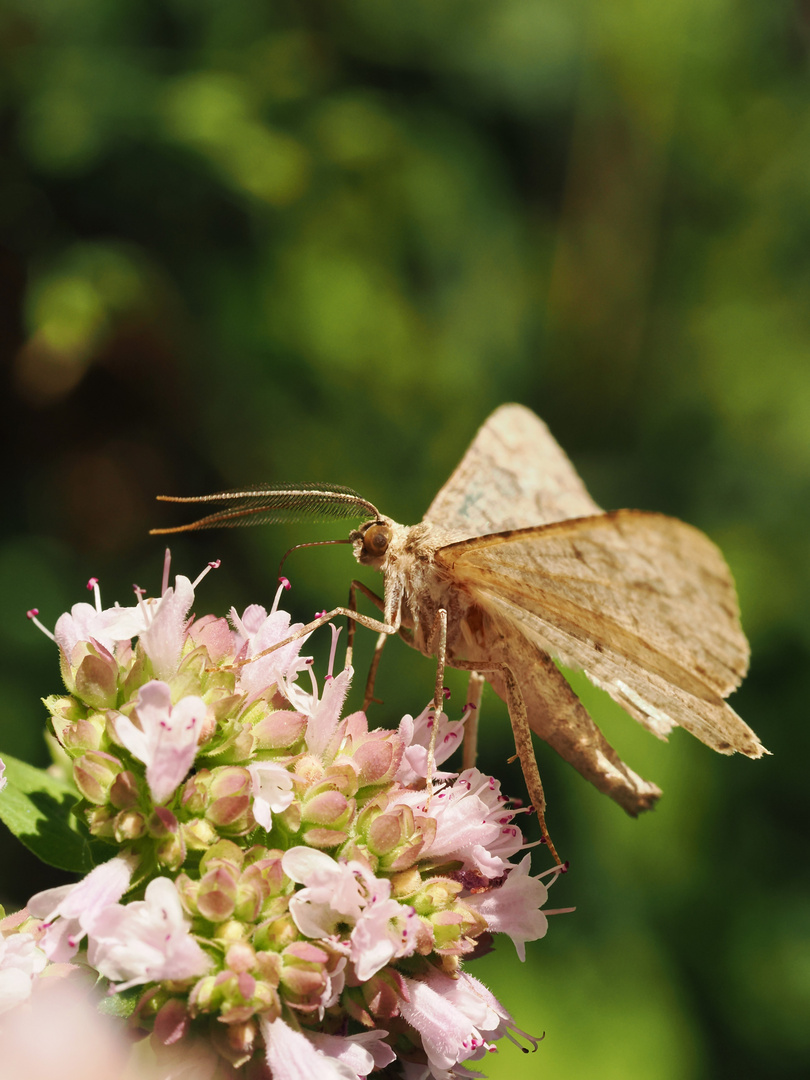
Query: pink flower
[[165, 632], [335, 892], [272, 790], [20, 962], [166, 741], [71, 911], [291, 1056], [450, 1018], [257, 631], [415, 734], [513, 908], [324, 727], [105, 627], [3, 780], [362, 1053], [147, 940], [473, 823], [386, 929], [338, 893]]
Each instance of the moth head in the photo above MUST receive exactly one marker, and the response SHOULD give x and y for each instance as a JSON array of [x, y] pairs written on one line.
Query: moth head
[[371, 541]]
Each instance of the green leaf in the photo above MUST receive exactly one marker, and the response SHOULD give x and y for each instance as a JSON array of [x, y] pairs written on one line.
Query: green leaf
[[36, 807]]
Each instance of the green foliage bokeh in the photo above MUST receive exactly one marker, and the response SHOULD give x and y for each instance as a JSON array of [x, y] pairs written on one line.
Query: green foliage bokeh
[[322, 241]]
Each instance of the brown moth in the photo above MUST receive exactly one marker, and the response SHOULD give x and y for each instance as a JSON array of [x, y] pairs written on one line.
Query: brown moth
[[514, 566]]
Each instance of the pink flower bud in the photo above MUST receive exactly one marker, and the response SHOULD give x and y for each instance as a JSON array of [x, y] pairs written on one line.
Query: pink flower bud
[[327, 808], [124, 791], [279, 730], [216, 896], [95, 676], [230, 799], [94, 774]]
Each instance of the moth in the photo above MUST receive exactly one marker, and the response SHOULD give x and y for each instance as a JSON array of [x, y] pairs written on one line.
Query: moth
[[514, 567]]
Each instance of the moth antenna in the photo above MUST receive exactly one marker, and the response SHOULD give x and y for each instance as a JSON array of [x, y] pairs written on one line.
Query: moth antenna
[[279, 503], [312, 543]]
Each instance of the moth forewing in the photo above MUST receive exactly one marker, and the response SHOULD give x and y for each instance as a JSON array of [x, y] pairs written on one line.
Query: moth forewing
[[642, 603]]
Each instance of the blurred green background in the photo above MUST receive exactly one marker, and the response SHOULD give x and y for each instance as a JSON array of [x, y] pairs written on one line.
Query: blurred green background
[[322, 240]]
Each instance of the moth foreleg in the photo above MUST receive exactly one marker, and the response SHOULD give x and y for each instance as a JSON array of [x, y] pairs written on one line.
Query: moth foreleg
[[523, 738], [352, 623], [354, 616], [472, 711]]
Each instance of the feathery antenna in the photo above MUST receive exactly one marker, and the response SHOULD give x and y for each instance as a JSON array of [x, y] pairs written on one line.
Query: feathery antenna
[[272, 505]]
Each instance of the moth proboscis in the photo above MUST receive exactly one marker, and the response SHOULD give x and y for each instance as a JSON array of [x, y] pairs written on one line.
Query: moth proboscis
[[514, 566]]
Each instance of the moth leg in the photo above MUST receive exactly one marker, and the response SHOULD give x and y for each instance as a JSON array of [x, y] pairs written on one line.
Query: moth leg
[[352, 623], [523, 738], [355, 616], [438, 634], [558, 717], [368, 693], [472, 711]]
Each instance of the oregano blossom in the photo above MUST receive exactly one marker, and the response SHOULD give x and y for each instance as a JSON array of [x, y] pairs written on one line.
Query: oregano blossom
[[289, 898]]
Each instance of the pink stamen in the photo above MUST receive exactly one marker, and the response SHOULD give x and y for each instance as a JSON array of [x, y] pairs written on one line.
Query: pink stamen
[[167, 562], [335, 635], [32, 615], [215, 565], [140, 593], [314, 683], [93, 584], [320, 614], [284, 584]]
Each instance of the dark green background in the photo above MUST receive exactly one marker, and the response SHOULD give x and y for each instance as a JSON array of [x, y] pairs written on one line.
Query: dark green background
[[249, 241]]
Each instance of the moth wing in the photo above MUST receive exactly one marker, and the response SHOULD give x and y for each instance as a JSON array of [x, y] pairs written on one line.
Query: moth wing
[[513, 475], [644, 604]]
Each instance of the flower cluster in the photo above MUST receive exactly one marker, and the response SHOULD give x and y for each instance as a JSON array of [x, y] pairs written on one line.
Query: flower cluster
[[284, 896]]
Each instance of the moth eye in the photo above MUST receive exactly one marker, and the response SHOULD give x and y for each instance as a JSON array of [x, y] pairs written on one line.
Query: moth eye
[[376, 539]]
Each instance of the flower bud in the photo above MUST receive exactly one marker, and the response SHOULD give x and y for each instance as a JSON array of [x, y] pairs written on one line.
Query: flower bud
[[195, 792], [240, 957], [304, 977], [216, 896], [261, 882], [223, 853], [377, 757], [276, 934], [129, 825], [327, 808], [94, 676], [236, 1041], [278, 730], [310, 769], [382, 993], [171, 852], [198, 834], [101, 820], [94, 774], [230, 799], [124, 791], [162, 823]]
